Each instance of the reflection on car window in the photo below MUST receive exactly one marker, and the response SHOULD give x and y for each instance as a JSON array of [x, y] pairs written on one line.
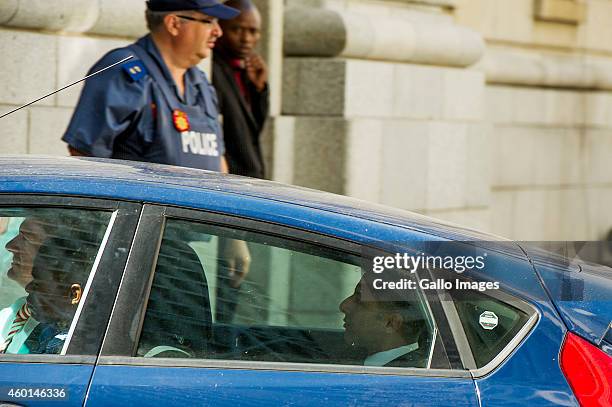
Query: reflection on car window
[[46, 256], [293, 302]]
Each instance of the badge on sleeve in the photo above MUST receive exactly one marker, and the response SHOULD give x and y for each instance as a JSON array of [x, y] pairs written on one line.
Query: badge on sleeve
[[135, 70], [181, 121]]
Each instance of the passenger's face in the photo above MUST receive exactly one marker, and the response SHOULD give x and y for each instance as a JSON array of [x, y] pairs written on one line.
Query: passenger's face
[[364, 321], [196, 39], [242, 33], [24, 248], [51, 300]]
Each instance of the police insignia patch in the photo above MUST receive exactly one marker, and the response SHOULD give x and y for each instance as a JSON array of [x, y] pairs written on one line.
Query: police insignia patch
[[135, 70], [181, 121]]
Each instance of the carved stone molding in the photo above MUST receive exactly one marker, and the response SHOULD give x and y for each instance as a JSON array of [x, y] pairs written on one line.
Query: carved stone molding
[[103, 17], [439, 3], [560, 11], [323, 32], [524, 68]]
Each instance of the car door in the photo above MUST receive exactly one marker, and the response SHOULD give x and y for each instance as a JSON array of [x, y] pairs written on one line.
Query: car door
[[62, 260], [189, 327]]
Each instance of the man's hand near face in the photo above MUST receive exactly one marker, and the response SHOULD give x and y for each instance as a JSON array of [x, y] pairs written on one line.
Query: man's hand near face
[[257, 71]]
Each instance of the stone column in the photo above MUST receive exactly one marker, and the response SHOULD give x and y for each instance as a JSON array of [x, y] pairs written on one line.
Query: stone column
[[271, 47]]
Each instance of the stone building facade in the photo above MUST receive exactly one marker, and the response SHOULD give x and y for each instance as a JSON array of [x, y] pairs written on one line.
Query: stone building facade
[[495, 114]]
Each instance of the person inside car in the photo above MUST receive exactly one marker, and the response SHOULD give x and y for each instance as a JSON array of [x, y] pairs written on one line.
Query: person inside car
[[390, 331], [53, 255], [59, 276], [16, 322]]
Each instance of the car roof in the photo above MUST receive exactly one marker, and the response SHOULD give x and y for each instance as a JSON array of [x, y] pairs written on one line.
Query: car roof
[[95, 176]]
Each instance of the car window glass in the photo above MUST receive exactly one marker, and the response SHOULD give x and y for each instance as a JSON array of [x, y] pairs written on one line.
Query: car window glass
[[489, 324], [299, 303], [46, 256]]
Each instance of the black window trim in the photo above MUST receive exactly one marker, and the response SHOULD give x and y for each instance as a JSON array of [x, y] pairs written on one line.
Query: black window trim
[[57, 201], [533, 318], [111, 258], [508, 349], [133, 292], [138, 277], [436, 311], [461, 340], [447, 306], [89, 283], [49, 359], [444, 327]]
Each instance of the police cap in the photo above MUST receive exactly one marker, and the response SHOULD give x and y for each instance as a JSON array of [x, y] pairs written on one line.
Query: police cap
[[212, 8]]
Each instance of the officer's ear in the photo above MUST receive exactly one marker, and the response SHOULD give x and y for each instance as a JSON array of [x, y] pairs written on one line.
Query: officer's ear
[[172, 23]]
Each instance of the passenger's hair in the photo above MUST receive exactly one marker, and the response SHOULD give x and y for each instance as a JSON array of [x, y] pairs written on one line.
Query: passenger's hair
[[66, 257], [71, 245], [413, 320], [405, 303]]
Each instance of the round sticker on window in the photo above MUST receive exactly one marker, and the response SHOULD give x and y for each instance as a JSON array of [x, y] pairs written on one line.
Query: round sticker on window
[[488, 320]]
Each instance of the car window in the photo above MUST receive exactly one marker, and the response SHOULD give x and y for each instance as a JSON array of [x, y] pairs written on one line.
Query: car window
[[46, 256], [299, 303], [489, 323]]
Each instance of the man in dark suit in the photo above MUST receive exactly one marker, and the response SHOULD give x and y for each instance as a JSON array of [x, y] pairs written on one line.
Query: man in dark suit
[[391, 331], [240, 78]]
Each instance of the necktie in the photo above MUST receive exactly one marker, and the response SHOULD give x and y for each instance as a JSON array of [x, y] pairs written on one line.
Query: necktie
[[22, 316], [239, 69]]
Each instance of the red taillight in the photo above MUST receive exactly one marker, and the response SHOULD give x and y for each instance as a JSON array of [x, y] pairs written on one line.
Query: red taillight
[[588, 370]]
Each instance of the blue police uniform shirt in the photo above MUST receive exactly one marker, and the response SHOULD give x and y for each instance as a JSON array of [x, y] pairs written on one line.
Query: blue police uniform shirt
[[134, 112]]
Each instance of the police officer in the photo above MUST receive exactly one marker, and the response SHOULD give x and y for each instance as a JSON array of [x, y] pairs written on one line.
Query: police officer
[[157, 107]]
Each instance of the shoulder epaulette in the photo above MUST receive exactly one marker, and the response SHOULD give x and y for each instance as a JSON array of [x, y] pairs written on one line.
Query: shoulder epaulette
[[135, 69]]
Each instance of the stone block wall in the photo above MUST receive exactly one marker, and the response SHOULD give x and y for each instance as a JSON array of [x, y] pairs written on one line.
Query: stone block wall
[[45, 46], [517, 144], [496, 114], [36, 64], [549, 82], [382, 150], [393, 116], [553, 149]]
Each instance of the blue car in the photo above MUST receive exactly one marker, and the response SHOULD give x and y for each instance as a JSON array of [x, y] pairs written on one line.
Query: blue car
[[142, 284]]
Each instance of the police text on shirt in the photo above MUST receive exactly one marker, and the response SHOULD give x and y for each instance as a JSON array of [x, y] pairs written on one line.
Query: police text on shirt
[[200, 143]]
